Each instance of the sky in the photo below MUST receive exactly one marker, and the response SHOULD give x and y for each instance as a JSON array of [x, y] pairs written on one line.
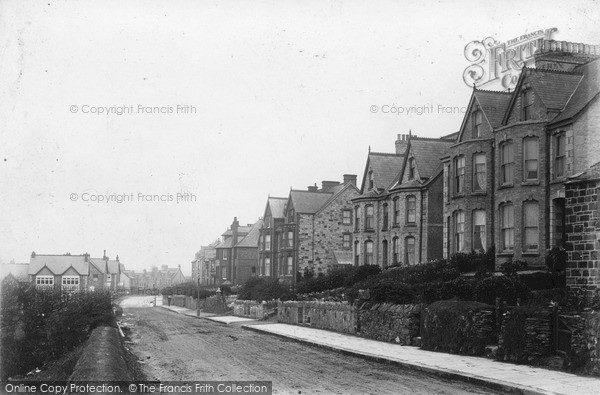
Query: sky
[[144, 127]]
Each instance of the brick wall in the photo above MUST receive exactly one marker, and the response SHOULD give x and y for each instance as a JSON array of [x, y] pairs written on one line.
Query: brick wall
[[389, 322]]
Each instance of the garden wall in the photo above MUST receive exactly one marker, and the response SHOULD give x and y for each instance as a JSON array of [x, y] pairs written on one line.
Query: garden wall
[[336, 316], [526, 333], [584, 356], [390, 322], [253, 309]]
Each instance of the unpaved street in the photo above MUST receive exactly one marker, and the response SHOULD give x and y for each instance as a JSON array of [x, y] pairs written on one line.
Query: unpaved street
[[177, 347]]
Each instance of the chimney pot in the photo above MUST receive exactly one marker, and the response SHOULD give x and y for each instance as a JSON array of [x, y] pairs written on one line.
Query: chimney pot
[[350, 179]]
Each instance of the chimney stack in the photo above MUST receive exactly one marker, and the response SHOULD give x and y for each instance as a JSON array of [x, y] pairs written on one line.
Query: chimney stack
[[313, 188], [350, 179], [402, 143], [326, 185]]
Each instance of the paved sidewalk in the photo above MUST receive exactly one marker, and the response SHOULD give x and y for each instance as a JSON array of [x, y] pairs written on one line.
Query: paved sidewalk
[[515, 378], [184, 311], [524, 379]]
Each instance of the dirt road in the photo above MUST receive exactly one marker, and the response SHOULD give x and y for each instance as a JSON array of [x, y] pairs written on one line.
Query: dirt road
[[177, 347]]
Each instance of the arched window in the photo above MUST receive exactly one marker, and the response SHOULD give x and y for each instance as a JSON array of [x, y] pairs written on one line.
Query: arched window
[[369, 217], [409, 250], [396, 203], [411, 168], [479, 172], [477, 121], [507, 227], [459, 174], [530, 159], [396, 250], [356, 218], [384, 253], [506, 163], [459, 231], [479, 241], [531, 214], [386, 215], [411, 209], [368, 252]]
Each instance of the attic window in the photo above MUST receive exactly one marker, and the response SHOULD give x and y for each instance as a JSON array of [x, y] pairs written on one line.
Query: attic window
[[526, 102], [477, 121], [371, 183], [411, 168]]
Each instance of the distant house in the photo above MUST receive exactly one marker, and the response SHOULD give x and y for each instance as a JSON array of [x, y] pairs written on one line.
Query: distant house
[[203, 265], [105, 273], [66, 272], [14, 271], [125, 280], [156, 278], [226, 252]]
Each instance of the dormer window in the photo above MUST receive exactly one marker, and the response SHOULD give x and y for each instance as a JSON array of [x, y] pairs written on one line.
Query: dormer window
[[477, 121], [411, 168], [371, 182], [526, 102]]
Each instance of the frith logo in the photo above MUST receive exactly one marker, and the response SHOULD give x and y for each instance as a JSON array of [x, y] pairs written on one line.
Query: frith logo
[[495, 63]]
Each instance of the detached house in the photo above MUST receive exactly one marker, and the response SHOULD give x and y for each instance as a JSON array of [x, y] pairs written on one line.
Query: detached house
[[270, 235], [105, 273], [316, 233], [67, 272]]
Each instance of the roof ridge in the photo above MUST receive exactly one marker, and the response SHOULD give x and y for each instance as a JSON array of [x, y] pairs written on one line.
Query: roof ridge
[[493, 91], [384, 153], [542, 70]]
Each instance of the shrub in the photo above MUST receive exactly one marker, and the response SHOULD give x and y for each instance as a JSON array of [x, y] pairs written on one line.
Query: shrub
[[262, 289], [556, 260], [543, 280], [505, 288], [544, 297], [450, 326], [459, 288], [511, 268]]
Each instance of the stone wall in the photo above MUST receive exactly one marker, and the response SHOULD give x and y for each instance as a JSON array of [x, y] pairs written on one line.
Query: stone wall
[[526, 333], [253, 309], [335, 316], [582, 218], [389, 322]]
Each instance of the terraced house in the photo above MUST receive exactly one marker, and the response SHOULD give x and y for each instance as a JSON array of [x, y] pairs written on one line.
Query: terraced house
[[398, 215], [271, 233], [505, 177], [237, 253]]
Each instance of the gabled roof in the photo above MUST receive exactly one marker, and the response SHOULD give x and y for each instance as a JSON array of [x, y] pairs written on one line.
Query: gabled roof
[[385, 169], [58, 264], [493, 104], [112, 267], [251, 240], [99, 263], [277, 206], [307, 202], [427, 154], [241, 229], [553, 88], [227, 243], [586, 91], [338, 191]]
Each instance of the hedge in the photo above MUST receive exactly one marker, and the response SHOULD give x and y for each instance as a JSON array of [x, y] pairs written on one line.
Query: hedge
[[460, 327]]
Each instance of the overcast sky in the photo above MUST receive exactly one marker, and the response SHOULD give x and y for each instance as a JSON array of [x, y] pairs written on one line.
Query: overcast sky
[[282, 91]]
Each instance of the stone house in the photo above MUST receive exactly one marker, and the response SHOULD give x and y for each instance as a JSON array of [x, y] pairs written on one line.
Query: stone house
[[582, 229], [224, 250], [204, 265], [546, 135], [105, 273], [317, 229], [237, 253], [398, 215]]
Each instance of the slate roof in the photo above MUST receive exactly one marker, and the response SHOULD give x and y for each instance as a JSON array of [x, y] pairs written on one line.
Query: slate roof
[[427, 154], [385, 169], [99, 263], [241, 229], [308, 202], [58, 264], [112, 267], [587, 90], [251, 240], [277, 206], [554, 88], [227, 243], [493, 104]]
